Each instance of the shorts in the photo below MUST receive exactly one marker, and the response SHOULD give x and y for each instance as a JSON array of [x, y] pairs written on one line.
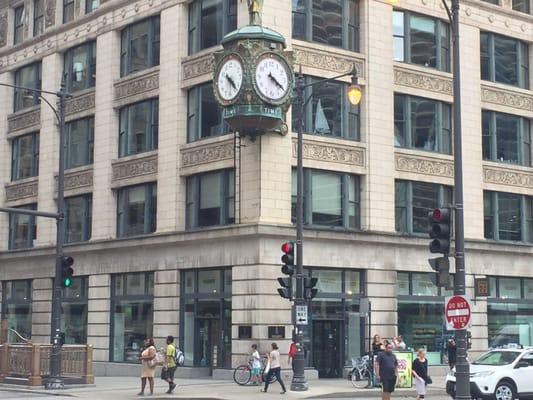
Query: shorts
[[387, 385], [170, 373], [255, 371]]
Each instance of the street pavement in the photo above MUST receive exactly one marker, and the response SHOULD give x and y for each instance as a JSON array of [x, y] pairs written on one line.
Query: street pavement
[[122, 388]]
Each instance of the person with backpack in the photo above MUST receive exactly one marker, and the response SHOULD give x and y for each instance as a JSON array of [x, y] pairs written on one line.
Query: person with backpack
[[170, 366]]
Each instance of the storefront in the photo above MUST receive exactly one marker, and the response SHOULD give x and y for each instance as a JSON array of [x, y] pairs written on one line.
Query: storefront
[[74, 311], [16, 308], [205, 332]]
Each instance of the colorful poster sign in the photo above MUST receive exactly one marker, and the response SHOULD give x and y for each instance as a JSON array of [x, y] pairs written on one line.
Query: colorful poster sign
[[405, 365]]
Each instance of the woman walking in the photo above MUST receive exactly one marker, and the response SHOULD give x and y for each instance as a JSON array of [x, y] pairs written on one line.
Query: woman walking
[[420, 373], [146, 356], [275, 368]]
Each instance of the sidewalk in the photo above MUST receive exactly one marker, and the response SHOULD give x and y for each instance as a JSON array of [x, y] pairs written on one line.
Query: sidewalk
[[119, 388]]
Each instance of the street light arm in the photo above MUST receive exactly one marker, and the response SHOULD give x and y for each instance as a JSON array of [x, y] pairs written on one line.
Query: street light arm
[[448, 11], [352, 72]]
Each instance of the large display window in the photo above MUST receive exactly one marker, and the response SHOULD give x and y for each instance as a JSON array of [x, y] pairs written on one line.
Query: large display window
[[16, 308], [74, 311]]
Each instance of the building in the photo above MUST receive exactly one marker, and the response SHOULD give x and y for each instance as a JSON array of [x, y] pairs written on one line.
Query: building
[[175, 224]]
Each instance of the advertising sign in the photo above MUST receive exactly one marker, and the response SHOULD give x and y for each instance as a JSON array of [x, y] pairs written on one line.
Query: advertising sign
[[405, 365]]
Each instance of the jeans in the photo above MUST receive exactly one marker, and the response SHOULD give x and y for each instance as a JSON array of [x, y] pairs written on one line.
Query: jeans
[[277, 373]]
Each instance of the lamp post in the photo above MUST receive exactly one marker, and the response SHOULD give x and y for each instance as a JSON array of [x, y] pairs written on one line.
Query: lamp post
[[54, 381], [299, 382]]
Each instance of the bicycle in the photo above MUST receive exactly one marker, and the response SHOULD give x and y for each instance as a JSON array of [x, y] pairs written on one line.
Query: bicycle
[[361, 375], [243, 373]]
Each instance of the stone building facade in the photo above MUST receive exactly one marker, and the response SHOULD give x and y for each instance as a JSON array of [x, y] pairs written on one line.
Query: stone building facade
[[175, 224]]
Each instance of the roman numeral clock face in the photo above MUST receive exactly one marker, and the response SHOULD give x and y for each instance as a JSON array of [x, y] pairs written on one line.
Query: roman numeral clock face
[[229, 79], [272, 78]]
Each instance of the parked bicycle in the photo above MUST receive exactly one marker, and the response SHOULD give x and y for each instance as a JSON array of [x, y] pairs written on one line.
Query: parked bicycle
[[361, 374], [243, 373]]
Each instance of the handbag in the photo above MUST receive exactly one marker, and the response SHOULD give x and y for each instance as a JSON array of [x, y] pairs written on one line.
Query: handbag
[[429, 381]]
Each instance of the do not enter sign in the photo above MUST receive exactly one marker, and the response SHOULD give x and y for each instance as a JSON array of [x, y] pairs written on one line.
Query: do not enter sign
[[457, 312]]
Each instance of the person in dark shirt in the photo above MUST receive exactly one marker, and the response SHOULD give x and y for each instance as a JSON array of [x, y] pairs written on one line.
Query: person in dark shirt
[[387, 371], [377, 345], [420, 373], [451, 350]]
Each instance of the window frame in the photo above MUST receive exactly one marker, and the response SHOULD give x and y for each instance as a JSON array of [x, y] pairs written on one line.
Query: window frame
[[86, 229], [15, 156], [526, 10], [88, 6], [68, 11], [27, 302], [32, 228], [88, 156], [38, 19], [18, 25], [150, 210], [152, 133], [153, 45], [195, 114], [90, 79], [19, 94], [492, 217]]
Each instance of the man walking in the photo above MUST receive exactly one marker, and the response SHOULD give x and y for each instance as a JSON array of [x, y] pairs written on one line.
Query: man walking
[[387, 371], [170, 365]]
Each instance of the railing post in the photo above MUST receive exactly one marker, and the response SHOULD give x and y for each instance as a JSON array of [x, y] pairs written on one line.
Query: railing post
[[3, 361], [35, 378], [3, 331], [88, 377]]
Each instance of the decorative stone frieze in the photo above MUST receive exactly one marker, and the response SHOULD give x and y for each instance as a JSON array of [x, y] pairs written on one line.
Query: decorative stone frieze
[[509, 177], [22, 190], [320, 151], [136, 85], [198, 66], [24, 120], [82, 103], [424, 165], [78, 179], [420, 80], [507, 98], [207, 154], [132, 168], [3, 28], [327, 61], [50, 13]]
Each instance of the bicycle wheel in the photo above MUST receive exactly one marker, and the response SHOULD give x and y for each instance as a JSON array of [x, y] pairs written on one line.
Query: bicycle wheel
[[272, 378], [361, 380], [242, 375]]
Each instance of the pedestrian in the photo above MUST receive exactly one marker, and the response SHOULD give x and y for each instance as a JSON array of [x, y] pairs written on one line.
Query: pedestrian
[[399, 344], [256, 365], [275, 368], [148, 372], [170, 364], [451, 352], [420, 373], [387, 371], [292, 353], [377, 345]]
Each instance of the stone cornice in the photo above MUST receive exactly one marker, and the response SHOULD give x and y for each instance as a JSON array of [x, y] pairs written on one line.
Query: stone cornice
[[198, 66], [330, 152], [508, 176], [422, 80], [28, 188], [143, 166], [25, 120], [205, 154], [78, 178], [425, 165], [138, 85], [81, 103], [507, 97]]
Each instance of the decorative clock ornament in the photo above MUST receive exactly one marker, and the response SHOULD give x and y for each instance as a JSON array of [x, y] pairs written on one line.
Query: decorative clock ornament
[[229, 78], [273, 78]]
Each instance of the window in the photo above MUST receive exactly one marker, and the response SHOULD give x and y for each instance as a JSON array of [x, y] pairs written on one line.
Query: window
[[414, 200], [331, 22], [38, 17], [16, 308], [421, 40], [495, 2], [137, 210], [22, 229], [91, 5], [508, 216], [140, 46], [522, 6], [209, 22], [329, 113], [132, 297], [139, 125], [80, 67], [204, 116], [78, 217], [506, 138], [79, 142], [504, 60], [18, 35], [25, 156], [422, 124], [29, 77], [331, 199], [74, 311], [211, 199], [68, 10]]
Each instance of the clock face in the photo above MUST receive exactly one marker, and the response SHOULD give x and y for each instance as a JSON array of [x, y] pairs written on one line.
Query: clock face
[[229, 79], [272, 78]]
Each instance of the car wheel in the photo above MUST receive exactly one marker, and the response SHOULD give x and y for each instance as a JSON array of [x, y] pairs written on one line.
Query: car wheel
[[505, 391]]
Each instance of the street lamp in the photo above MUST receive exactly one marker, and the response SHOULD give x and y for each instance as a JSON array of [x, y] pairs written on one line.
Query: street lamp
[[354, 93]]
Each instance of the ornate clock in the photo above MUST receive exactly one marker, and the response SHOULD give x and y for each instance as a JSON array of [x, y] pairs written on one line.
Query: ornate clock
[[229, 78]]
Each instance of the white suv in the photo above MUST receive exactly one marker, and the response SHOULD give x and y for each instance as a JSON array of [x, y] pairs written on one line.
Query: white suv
[[500, 374]]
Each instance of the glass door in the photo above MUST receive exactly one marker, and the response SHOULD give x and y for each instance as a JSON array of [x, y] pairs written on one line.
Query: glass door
[[208, 345], [327, 348]]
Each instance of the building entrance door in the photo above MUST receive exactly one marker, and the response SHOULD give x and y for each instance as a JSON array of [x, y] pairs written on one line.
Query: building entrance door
[[327, 348], [208, 345]]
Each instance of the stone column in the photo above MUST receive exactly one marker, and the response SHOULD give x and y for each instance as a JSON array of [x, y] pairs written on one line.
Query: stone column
[[98, 318], [166, 306], [41, 309], [6, 107], [381, 291]]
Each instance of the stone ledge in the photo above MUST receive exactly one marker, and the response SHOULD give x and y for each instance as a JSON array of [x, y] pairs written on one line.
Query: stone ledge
[[423, 164], [82, 102], [137, 87], [413, 77], [206, 153], [132, 170], [193, 67], [24, 189], [520, 100], [25, 120], [508, 176], [77, 180], [331, 152]]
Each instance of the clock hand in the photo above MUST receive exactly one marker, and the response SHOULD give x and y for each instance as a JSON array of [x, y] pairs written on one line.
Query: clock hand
[[231, 82], [273, 79]]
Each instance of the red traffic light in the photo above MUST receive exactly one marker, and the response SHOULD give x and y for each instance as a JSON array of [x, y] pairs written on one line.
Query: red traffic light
[[439, 215], [287, 247]]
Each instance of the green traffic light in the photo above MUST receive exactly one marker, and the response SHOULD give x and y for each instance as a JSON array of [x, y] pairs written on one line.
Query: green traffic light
[[67, 282]]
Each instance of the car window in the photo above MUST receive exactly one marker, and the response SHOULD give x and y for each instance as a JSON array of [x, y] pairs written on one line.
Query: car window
[[528, 357], [497, 358]]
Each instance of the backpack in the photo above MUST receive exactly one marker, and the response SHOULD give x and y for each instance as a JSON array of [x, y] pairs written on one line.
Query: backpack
[[179, 357]]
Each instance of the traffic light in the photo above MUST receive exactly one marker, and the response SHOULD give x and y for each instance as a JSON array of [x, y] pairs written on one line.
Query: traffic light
[[287, 268], [441, 265], [439, 230], [66, 271], [285, 290], [309, 288]]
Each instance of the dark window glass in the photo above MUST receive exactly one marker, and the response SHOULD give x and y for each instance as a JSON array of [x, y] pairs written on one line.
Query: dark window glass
[[496, 2], [22, 229], [504, 60], [140, 46], [422, 124], [68, 10], [18, 32], [74, 309], [522, 6], [91, 5], [80, 67], [421, 40], [79, 142], [204, 115], [16, 309], [28, 77], [38, 17], [508, 216], [209, 22], [78, 216], [139, 125], [210, 199], [137, 210], [25, 156]]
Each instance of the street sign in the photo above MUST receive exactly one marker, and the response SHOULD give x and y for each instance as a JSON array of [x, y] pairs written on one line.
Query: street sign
[[301, 315], [458, 313]]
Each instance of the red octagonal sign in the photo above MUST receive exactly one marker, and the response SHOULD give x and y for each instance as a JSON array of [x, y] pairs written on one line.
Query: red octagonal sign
[[457, 312]]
